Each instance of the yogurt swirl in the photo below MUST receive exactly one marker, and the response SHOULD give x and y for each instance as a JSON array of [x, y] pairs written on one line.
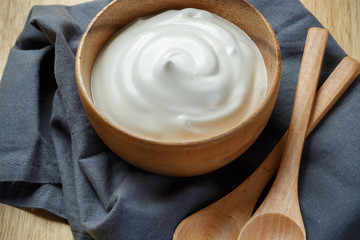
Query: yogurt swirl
[[179, 76]]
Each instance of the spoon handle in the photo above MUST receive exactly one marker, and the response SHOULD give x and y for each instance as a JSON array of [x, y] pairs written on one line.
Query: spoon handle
[[332, 89], [328, 94], [283, 194], [304, 98], [308, 77], [279, 216], [309, 73]]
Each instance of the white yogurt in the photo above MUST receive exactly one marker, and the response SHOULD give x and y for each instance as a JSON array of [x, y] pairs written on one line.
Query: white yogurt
[[179, 76]]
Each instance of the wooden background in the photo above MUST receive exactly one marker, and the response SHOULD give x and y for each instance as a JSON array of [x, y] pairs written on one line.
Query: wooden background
[[341, 17]]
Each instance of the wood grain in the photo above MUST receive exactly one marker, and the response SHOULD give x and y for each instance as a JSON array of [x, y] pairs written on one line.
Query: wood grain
[[341, 17], [16, 223], [13, 14]]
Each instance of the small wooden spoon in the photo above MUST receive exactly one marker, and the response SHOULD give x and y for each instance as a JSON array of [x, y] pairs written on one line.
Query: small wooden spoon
[[279, 216], [225, 218]]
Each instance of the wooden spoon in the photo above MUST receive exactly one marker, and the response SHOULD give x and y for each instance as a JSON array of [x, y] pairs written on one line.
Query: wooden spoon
[[279, 216], [225, 218]]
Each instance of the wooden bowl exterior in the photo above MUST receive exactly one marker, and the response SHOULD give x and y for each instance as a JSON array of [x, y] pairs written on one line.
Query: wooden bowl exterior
[[188, 158]]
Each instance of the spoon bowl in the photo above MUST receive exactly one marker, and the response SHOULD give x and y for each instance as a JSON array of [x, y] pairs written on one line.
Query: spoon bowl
[[273, 226]]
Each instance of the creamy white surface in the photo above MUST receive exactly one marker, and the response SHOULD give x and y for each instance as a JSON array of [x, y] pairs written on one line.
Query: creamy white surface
[[179, 76]]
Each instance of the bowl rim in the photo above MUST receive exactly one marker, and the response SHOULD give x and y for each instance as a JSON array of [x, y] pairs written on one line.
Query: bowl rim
[[87, 100]]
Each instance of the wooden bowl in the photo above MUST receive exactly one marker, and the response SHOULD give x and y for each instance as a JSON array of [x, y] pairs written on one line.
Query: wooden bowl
[[182, 158]]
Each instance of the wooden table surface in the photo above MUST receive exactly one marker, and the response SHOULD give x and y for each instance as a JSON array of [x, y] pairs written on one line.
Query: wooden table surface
[[341, 17]]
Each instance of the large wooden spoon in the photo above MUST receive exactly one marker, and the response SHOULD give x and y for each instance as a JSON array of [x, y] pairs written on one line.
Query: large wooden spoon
[[279, 216], [225, 218]]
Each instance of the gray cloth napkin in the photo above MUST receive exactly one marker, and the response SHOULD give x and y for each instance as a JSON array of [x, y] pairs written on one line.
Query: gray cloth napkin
[[51, 158]]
